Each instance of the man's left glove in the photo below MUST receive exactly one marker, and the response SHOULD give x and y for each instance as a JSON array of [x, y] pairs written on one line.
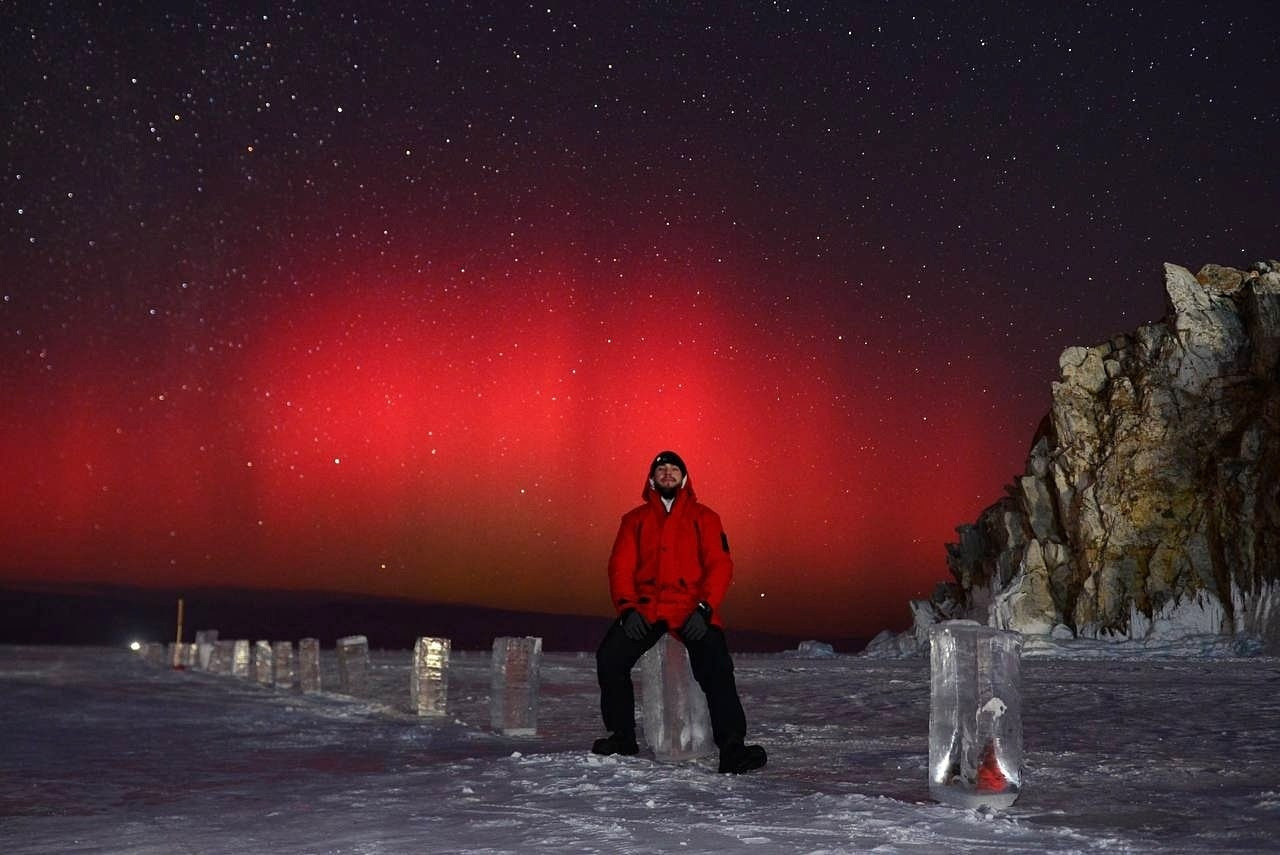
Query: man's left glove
[[697, 623]]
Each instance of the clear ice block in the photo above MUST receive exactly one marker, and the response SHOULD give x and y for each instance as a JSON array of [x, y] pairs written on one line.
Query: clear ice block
[[282, 675], [221, 656], [309, 664], [240, 658], [975, 715], [153, 652], [429, 679], [513, 685], [262, 662], [353, 665], [677, 725], [205, 641]]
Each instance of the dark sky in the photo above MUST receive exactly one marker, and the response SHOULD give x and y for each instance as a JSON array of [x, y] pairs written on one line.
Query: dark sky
[[401, 299]]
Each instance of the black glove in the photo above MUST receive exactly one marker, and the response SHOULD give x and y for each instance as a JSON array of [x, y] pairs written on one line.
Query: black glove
[[633, 624], [697, 623]]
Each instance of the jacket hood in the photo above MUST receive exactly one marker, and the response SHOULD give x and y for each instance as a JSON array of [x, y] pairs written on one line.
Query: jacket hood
[[650, 491]]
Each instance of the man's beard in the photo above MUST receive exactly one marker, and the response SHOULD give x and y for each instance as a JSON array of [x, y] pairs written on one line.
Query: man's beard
[[667, 492]]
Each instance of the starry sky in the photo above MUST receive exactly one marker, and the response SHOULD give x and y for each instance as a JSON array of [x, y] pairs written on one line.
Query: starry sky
[[401, 299]]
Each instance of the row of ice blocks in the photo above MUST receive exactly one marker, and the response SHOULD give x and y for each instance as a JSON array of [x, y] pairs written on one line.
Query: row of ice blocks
[[266, 662], [514, 674], [514, 677], [674, 711], [514, 682], [677, 724], [975, 715]]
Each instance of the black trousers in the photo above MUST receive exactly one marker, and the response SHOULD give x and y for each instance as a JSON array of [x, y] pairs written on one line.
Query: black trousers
[[709, 660]]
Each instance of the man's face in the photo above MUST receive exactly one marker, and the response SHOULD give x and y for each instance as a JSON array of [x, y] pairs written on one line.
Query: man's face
[[667, 477]]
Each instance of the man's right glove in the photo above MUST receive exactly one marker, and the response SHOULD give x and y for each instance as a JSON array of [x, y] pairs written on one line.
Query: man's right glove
[[633, 624]]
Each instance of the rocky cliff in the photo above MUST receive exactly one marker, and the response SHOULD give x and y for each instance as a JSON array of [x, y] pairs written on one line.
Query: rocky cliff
[[1150, 501]]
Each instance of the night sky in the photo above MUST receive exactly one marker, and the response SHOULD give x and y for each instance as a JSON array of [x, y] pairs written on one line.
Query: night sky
[[401, 299]]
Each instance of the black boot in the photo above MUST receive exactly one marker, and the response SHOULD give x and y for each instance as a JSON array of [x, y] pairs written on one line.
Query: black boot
[[736, 758], [616, 743]]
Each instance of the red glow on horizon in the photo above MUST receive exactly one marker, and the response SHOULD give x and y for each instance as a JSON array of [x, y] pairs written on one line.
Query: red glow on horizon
[[414, 440]]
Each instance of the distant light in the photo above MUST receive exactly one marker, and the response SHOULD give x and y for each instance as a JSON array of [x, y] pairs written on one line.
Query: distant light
[[135, 645]]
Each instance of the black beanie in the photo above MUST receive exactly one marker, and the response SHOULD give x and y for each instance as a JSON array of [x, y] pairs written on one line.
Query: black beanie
[[668, 457]]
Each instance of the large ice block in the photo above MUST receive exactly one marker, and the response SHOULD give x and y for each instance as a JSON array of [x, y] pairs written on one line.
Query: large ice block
[[513, 685], [677, 725], [309, 664], [353, 665], [263, 657], [429, 679], [282, 675], [975, 715]]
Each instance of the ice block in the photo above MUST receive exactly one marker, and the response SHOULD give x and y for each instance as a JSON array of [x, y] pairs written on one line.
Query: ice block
[[309, 664], [153, 652], [206, 640], [513, 685], [240, 658], [677, 725], [429, 679], [262, 662], [282, 675], [975, 715], [220, 658], [353, 665]]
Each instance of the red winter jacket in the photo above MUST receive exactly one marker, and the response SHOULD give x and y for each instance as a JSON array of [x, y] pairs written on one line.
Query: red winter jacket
[[663, 564]]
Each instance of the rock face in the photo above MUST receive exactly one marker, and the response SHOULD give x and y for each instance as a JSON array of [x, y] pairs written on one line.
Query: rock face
[[1150, 502]]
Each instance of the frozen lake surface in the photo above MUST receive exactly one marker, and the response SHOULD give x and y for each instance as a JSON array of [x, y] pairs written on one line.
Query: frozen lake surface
[[1126, 751]]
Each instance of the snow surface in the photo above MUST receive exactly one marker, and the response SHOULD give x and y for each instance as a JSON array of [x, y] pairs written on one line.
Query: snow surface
[[1126, 752]]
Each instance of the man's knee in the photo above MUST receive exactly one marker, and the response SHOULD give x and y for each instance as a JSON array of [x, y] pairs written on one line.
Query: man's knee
[[711, 654], [606, 658], [615, 654]]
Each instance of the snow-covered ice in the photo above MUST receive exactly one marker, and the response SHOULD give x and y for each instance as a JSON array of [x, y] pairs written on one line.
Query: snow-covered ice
[[1125, 751]]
